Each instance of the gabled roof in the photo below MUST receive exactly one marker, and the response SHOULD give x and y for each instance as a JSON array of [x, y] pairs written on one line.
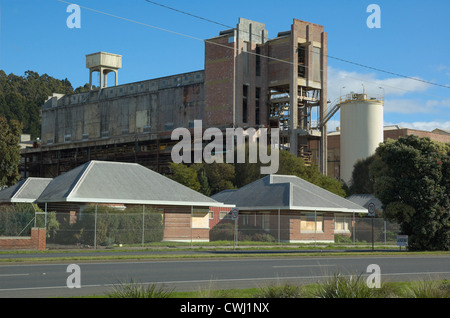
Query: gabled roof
[[286, 193], [119, 182], [25, 191]]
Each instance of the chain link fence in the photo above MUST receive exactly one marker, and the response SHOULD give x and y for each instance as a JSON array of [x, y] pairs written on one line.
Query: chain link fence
[[140, 225]]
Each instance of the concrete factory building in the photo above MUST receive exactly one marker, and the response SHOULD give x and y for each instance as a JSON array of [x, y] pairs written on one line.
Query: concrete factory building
[[249, 80]]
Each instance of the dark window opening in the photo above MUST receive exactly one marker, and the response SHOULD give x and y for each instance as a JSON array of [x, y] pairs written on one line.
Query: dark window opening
[[258, 61], [301, 54], [257, 94], [245, 104]]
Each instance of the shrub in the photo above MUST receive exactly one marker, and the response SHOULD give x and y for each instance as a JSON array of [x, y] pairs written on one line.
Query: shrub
[[253, 233], [112, 226], [340, 286], [428, 289], [343, 239], [222, 232], [225, 232], [139, 290], [280, 291]]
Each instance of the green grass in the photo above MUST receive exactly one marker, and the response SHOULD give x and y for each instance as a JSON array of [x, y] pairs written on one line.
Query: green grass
[[138, 290], [96, 254], [338, 286]]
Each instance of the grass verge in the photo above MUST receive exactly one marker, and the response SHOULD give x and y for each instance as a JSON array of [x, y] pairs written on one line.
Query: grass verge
[[338, 286]]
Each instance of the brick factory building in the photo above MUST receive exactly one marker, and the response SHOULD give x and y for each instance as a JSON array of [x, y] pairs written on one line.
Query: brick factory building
[[248, 81]]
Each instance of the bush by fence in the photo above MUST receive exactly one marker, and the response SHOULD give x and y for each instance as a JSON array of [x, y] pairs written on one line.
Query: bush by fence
[[106, 226]]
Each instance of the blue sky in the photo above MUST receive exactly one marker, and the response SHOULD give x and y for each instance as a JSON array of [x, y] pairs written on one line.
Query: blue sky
[[414, 40]]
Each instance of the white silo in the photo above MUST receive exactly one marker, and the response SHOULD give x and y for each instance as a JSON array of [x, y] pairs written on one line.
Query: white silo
[[361, 130]]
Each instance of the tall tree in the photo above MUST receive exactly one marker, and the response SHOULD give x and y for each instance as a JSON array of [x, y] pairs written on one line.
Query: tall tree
[[21, 97], [185, 175], [362, 181], [412, 180], [9, 151]]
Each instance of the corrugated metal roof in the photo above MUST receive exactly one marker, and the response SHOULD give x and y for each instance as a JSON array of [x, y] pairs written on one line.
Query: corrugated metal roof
[[25, 191], [287, 193], [119, 182]]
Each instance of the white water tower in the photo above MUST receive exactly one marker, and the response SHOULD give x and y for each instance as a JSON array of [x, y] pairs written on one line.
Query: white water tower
[[361, 130], [103, 63]]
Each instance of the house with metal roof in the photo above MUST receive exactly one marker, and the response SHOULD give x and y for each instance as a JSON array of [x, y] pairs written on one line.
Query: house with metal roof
[[185, 212], [292, 209], [25, 191]]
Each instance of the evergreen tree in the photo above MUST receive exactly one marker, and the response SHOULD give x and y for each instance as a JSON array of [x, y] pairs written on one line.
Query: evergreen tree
[[9, 152], [412, 180], [21, 97]]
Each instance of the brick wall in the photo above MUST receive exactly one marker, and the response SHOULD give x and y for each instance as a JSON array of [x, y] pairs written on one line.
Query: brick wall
[[37, 241], [216, 215], [327, 234], [177, 224], [290, 229]]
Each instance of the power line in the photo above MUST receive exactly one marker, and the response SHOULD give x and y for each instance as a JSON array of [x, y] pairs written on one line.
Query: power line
[[388, 72], [214, 43], [333, 57], [187, 13]]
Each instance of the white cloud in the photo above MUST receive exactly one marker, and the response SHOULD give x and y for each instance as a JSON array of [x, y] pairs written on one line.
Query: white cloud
[[356, 82], [342, 82]]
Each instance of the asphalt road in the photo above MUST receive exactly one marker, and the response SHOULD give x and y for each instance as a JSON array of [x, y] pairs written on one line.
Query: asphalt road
[[50, 279]]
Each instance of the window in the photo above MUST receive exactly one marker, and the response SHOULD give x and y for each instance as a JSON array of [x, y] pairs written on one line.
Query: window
[[341, 223], [211, 215], [200, 219], [311, 223], [258, 61], [301, 54], [245, 219], [257, 95], [245, 104], [265, 222]]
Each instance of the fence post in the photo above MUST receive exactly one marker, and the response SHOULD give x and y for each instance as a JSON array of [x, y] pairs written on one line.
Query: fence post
[[279, 227], [95, 227], [315, 227], [354, 229], [45, 216], [143, 224]]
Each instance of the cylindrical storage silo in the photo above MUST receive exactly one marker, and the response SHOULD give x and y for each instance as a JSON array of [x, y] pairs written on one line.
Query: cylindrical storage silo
[[361, 131]]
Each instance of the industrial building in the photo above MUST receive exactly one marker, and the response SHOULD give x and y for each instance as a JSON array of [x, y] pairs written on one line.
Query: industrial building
[[336, 159], [248, 80]]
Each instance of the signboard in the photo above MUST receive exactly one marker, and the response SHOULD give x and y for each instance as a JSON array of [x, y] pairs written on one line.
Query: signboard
[[371, 209], [234, 213], [402, 240]]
